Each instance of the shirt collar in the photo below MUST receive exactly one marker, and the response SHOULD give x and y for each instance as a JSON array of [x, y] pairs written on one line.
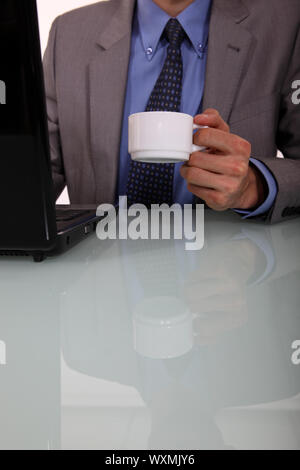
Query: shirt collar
[[152, 21]]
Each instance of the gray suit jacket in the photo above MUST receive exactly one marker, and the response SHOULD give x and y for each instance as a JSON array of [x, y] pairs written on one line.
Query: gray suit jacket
[[253, 60]]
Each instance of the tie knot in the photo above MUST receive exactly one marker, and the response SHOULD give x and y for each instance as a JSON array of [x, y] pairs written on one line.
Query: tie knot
[[174, 33]]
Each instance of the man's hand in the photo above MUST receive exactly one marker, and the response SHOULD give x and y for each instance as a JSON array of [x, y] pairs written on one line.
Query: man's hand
[[221, 176]]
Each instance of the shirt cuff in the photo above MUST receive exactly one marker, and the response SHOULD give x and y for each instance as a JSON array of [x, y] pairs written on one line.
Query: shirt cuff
[[273, 191]]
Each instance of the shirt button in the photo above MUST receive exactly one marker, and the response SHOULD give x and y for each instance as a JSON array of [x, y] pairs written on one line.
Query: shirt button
[[149, 51]]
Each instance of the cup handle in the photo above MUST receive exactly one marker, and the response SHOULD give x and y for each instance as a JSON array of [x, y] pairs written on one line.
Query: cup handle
[[197, 148]]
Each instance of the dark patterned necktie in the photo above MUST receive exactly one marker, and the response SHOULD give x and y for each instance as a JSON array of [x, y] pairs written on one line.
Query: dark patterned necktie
[[153, 183]]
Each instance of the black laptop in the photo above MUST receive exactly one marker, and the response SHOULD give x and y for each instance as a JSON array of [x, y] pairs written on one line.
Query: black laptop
[[30, 224]]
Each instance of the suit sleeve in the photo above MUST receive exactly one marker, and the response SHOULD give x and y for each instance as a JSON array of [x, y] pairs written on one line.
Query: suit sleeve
[[287, 171], [58, 172]]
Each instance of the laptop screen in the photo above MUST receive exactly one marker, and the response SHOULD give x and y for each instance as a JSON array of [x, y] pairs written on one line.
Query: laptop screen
[[26, 194], [15, 85]]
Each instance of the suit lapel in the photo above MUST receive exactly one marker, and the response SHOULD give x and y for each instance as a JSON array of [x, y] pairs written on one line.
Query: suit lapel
[[108, 77], [228, 50]]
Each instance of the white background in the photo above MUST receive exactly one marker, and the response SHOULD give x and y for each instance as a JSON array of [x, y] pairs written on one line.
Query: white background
[[48, 11]]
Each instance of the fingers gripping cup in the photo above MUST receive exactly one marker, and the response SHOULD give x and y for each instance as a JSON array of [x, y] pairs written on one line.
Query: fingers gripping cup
[[162, 137]]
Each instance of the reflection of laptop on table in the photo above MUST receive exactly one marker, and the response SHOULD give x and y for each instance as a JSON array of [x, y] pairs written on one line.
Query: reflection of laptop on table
[[30, 224]]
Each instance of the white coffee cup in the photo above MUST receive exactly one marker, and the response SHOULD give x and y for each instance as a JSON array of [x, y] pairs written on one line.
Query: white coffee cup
[[162, 137]]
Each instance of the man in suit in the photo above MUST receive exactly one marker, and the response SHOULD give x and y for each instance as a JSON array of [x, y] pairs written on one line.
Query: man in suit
[[237, 62]]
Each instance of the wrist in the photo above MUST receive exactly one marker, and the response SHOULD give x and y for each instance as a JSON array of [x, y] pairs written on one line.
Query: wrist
[[255, 192]]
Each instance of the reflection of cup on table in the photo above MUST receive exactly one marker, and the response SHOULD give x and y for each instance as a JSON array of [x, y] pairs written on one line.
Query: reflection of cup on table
[[162, 137], [163, 328]]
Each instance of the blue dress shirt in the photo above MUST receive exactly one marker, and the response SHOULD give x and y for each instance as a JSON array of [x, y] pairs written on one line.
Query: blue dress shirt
[[148, 54]]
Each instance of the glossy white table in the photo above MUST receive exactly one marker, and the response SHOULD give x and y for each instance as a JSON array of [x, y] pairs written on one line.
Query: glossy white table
[[142, 345]]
